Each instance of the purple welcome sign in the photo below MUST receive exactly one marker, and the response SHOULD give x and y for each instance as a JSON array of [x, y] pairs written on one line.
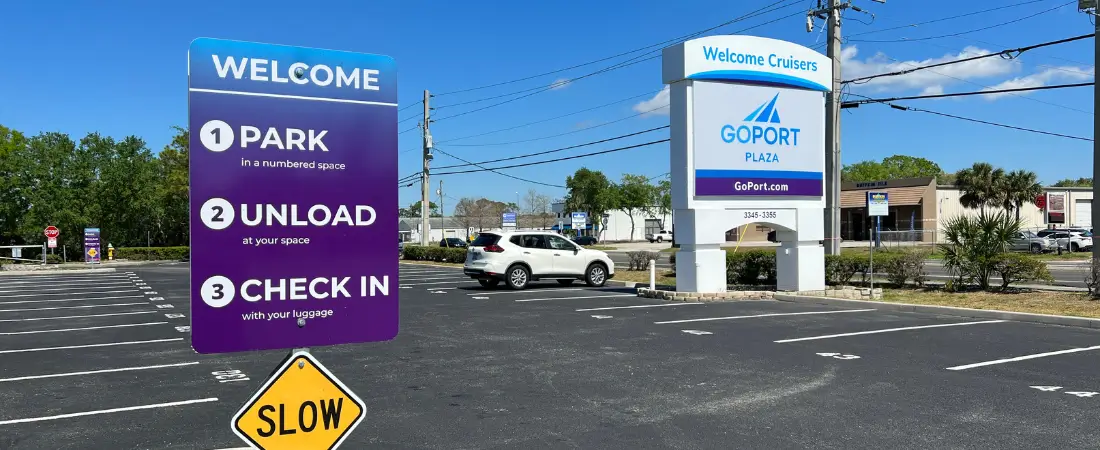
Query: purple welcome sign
[[293, 170]]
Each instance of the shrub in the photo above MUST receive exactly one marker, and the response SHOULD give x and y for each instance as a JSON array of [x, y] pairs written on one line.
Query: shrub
[[840, 269], [53, 259], [1015, 267], [672, 260], [151, 253], [974, 245], [640, 260], [1092, 279], [747, 267], [434, 254], [902, 266]]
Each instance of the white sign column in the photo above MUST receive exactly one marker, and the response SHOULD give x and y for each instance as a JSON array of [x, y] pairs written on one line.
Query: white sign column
[[747, 146]]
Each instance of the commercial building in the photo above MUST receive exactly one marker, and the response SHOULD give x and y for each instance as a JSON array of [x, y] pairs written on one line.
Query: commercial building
[[615, 226]]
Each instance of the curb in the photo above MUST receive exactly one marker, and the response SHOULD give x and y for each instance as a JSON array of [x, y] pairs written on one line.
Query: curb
[[53, 271], [1047, 319], [428, 265]]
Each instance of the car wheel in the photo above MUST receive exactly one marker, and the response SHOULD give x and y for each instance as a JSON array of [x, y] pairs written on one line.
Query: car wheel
[[518, 276], [565, 282], [490, 283], [660, 239], [1074, 247], [596, 275], [1036, 248]]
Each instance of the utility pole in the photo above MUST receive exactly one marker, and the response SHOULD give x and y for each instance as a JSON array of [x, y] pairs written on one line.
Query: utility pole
[[1095, 126], [440, 193], [831, 13], [425, 184]]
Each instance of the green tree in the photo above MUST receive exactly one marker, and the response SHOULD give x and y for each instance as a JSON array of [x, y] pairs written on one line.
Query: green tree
[[1020, 187], [414, 210], [13, 204], [660, 205], [981, 186], [633, 195], [174, 174], [591, 192], [891, 168], [1069, 182]]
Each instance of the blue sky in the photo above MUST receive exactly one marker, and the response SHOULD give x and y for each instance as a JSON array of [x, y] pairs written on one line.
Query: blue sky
[[120, 69]]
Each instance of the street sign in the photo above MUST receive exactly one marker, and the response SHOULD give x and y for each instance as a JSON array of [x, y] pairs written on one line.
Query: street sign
[[508, 220], [578, 219], [91, 245], [293, 164], [301, 406], [51, 242], [878, 204], [51, 232]]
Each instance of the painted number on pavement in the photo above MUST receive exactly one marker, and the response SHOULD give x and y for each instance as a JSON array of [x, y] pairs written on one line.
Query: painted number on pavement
[[229, 376], [1082, 394]]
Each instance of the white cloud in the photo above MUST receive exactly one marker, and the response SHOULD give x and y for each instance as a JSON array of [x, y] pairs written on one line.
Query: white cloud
[[1043, 78], [559, 83], [656, 106], [934, 89], [928, 80]]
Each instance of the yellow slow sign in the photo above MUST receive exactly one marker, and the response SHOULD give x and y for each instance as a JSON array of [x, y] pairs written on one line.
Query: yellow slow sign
[[302, 406]]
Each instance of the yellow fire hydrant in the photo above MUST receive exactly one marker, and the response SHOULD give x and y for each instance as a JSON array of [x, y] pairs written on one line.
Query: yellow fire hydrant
[[110, 252]]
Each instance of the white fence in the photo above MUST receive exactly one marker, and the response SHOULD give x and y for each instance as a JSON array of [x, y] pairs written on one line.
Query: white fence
[[33, 253]]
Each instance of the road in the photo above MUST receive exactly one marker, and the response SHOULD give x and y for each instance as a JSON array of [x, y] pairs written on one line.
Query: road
[[98, 361], [1065, 274]]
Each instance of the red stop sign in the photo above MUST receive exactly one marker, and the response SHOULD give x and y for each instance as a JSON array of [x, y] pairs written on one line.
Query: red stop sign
[[51, 232]]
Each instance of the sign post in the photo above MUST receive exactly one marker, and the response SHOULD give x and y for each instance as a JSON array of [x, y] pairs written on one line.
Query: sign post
[[508, 220], [292, 267], [51, 232], [878, 205], [92, 250], [579, 221]]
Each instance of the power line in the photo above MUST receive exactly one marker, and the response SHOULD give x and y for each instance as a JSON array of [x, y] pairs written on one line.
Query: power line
[[410, 106], [944, 19], [585, 155], [659, 44], [552, 118], [566, 133], [964, 94], [417, 127], [410, 176], [986, 122], [968, 31], [528, 155], [620, 65], [1006, 54], [468, 163]]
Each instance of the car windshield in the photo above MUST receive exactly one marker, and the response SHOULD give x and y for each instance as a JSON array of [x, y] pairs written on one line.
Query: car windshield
[[486, 239]]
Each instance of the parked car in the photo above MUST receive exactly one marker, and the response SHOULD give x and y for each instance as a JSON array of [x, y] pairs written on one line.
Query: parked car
[[520, 257], [586, 240], [1027, 241], [452, 242], [1073, 241], [660, 236]]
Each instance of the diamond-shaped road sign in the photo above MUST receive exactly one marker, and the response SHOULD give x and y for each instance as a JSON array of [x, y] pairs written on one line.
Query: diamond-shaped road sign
[[301, 406]]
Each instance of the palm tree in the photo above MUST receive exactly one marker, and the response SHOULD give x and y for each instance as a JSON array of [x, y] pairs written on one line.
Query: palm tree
[[1020, 187], [981, 186]]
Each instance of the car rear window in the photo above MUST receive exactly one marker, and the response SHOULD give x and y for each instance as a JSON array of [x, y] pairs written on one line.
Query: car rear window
[[485, 239]]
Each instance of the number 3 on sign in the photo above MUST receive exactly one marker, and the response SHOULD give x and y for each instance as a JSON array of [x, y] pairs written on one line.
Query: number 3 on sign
[[838, 356]]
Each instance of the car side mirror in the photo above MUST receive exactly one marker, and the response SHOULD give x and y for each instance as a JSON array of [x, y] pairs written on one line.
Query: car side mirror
[[576, 250]]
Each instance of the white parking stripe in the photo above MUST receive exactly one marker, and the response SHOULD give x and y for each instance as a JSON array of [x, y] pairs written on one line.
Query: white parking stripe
[[708, 319], [529, 291], [70, 307], [888, 330], [70, 347], [81, 317], [108, 411], [1024, 358], [102, 327], [437, 282], [637, 306], [452, 277], [20, 302], [62, 281], [73, 288], [70, 293], [93, 372], [572, 298]]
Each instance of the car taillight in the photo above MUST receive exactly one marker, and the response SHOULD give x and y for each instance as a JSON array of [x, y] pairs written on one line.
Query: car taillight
[[494, 248]]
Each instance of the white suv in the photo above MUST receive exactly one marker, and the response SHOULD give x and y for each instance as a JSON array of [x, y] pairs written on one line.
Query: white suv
[[519, 257]]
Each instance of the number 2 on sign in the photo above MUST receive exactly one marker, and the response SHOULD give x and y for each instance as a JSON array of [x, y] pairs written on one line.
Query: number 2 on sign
[[838, 356]]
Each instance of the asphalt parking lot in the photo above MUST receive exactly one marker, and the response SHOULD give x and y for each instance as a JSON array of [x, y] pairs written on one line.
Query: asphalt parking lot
[[99, 361]]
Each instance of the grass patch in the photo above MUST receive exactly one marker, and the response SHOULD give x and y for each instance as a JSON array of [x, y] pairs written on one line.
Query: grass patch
[[1037, 302], [431, 263], [599, 247], [665, 277], [670, 250], [1065, 256]]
